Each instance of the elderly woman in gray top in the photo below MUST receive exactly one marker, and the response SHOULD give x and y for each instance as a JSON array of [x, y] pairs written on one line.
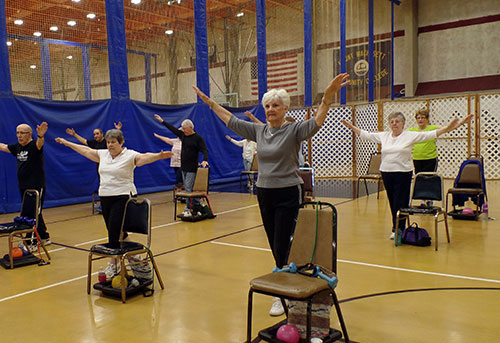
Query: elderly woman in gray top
[[279, 186]]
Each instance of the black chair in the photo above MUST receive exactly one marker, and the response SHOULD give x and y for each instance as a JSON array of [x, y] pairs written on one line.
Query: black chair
[[470, 183], [305, 248], [307, 174], [136, 219], [372, 173], [25, 232], [426, 187]]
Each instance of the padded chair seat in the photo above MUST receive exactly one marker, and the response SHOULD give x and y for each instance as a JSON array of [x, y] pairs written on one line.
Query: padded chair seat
[[465, 190], [288, 284], [11, 227], [422, 210], [190, 194], [126, 246]]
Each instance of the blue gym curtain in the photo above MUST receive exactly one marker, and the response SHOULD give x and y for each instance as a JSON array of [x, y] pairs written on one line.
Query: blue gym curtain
[[71, 178]]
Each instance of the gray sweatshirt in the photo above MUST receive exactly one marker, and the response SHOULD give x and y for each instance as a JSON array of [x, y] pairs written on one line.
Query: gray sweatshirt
[[277, 149]]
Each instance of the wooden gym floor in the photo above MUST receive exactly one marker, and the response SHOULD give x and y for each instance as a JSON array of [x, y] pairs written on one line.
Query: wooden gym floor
[[388, 294]]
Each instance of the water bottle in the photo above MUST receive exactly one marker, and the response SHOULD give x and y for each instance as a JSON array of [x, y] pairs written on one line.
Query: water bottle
[[485, 211], [101, 276]]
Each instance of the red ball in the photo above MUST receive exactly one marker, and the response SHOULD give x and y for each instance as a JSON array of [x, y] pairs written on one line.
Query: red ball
[[288, 333], [17, 252]]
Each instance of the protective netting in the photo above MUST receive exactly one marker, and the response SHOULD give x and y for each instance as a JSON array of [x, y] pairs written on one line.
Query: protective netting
[[327, 33], [68, 57], [58, 49]]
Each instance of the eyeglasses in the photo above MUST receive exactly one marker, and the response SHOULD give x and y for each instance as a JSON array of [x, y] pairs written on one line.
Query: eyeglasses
[[22, 132]]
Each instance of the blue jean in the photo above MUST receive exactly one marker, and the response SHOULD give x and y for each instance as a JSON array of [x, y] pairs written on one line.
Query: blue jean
[[189, 178], [248, 164]]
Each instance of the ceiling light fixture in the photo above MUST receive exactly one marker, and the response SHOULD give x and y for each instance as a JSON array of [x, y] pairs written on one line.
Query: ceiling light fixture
[[75, 0], [33, 66], [240, 14], [37, 33], [9, 43], [169, 32], [91, 15], [18, 22], [136, 2], [54, 28], [69, 57], [71, 23], [171, 2]]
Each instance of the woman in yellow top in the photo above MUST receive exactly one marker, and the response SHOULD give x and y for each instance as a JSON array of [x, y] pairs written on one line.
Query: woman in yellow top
[[424, 153]]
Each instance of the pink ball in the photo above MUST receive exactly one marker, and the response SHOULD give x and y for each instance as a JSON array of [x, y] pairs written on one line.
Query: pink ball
[[467, 210], [288, 333]]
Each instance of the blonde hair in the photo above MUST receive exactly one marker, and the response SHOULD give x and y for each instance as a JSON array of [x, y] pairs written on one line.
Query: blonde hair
[[422, 112]]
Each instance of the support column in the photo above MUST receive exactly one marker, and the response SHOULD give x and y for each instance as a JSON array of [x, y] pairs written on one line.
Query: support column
[[410, 9]]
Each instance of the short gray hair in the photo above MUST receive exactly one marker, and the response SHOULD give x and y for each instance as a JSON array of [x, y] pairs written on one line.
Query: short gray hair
[[114, 133], [187, 123], [276, 94], [397, 114]]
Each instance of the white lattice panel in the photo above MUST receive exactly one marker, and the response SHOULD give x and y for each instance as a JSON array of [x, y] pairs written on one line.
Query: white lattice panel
[[408, 108], [332, 145], [473, 124], [332, 152], [299, 115], [453, 146], [489, 110], [366, 119]]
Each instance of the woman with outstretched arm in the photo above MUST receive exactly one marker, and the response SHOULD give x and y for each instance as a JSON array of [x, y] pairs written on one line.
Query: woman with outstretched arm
[[279, 185], [116, 170]]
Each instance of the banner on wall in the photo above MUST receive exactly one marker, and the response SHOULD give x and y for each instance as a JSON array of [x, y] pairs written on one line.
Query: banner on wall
[[357, 64]]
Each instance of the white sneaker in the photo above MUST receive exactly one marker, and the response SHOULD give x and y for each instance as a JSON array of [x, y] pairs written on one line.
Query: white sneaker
[[276, 308], [392, 235], [111, 270], [187, 213]]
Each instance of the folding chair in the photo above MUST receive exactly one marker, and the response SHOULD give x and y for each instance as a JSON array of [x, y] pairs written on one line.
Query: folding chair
[[314, 241], [426, 187], [200, 189], [24, 232], [470, 183], [136, 219], [307, 175], [254, 170], [372, 173]]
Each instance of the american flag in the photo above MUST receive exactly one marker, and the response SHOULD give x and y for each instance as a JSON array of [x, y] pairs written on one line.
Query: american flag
[[281, 73]]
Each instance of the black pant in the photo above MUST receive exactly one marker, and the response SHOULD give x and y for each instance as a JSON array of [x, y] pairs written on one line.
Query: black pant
[[425, 165], [178, 177], [279, 208], [397, 186], [113, 208], [41, 228]]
